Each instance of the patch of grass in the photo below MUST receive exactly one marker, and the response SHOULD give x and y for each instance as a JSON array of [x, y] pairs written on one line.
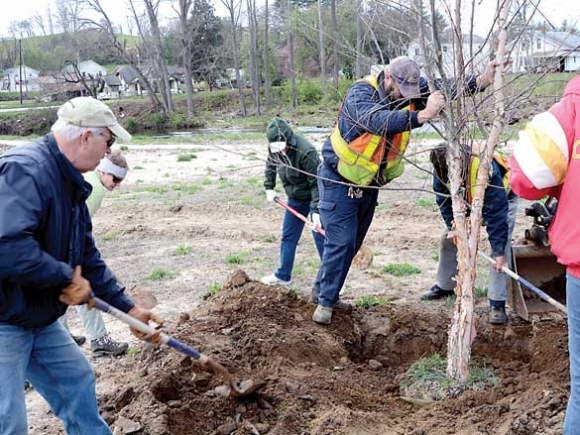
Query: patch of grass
[[269, 239], [189, 188], [206, 181], [160, 274], [480, 292], [186, 157], [435, 256], [400, 269], [239, 258], [156, 189], [124, 148], [426, 379], [182, 250], [132, 351], [449, 301], [367, 301], [137, 167], [426, 203], [109, 236]]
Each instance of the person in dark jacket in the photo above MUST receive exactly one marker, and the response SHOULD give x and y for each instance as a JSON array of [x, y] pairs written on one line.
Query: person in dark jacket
[[48, 261], [364, 152], [500, 207], [295, 161]]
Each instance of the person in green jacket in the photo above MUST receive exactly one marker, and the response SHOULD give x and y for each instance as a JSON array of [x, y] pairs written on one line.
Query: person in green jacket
[[108, 175], [295, 161]]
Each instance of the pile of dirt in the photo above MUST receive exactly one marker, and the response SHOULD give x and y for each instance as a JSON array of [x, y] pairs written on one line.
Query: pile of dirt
[[335, 380]]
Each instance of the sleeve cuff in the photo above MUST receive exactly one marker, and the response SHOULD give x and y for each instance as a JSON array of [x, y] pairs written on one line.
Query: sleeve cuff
[[122, 302]]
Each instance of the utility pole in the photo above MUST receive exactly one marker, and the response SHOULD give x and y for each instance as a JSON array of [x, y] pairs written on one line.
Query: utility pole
[[20, 78]]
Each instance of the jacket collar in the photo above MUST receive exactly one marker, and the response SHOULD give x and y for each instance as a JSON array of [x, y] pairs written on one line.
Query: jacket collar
[[68, 171]]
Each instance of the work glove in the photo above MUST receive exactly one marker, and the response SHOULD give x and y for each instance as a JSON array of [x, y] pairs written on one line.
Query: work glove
[[435, 103], [315, 219], [78, 291], [271, 195]]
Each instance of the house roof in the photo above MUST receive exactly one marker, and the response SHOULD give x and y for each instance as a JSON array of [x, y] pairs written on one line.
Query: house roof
[[16, 69], [112, 80], [563, 40], [127, 73]]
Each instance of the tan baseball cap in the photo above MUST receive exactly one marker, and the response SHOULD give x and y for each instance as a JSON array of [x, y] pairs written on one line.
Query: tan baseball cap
[[92, 113], [407, 74]]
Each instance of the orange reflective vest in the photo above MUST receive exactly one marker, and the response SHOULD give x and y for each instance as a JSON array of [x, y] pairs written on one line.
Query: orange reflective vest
[[474, 166], [360, 160]]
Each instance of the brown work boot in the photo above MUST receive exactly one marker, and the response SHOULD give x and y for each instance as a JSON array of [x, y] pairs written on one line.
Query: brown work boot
[[322, 315]]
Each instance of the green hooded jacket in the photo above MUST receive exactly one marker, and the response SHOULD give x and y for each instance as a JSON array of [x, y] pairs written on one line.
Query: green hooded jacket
[[294, 165]]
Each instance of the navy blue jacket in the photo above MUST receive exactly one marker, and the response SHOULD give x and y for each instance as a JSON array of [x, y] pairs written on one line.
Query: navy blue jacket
[[45, 231], [369, 110], [494, 213]]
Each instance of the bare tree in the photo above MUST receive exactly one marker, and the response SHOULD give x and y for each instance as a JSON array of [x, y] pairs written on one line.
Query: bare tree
[[322, 51], [183, 12], [290, 26], [335, 38], [152, 7], [254, 58], [105, 26], [68, 14], [233, 7], [266, 57]]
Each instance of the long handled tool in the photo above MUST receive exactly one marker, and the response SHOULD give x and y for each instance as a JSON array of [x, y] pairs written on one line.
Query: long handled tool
[[363, 258], [529, 285], [237, 388]]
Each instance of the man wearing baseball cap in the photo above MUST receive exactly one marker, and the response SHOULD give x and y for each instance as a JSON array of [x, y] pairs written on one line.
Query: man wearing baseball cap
[[48, 261], [364, 152]]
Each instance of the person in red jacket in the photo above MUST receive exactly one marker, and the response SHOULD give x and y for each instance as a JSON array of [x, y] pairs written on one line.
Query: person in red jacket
[[546, 161]]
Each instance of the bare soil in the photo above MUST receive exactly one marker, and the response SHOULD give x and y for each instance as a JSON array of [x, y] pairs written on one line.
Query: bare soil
[[206, 223]]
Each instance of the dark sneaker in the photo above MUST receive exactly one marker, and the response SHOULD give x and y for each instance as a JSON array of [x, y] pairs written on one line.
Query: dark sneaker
[[339, 305], [436, 292], [79, 339], [107, 346], [497, 316]]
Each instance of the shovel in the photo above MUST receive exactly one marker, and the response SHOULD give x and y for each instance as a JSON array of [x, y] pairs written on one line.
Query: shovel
[[529, 285], [363, 258], [235, 388]]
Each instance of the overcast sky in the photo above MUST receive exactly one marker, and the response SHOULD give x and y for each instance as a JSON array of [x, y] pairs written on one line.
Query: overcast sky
[[554, 10]]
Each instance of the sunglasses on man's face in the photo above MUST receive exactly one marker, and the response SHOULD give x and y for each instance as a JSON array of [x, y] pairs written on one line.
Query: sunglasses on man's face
[[116, 180], [111, 140]]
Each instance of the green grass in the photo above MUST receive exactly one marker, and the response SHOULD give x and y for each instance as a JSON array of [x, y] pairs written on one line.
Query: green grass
[[269, 239], [367, 301], [426, 203], [109, 236], [400, 269], [160, 275], [182, 250], [427, 378], [186, 157], [238, 258]]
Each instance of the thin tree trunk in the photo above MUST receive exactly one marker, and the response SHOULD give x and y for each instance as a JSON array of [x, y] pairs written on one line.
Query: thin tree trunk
[[322, 51], [335, 36], [462, 331], [291, 49], [359, 36], [184, 6], [266, 58]]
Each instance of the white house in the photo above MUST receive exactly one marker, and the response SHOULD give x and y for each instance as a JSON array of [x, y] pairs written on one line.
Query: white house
[[11, 80], [88, 68], [552, 51], [476, 54]]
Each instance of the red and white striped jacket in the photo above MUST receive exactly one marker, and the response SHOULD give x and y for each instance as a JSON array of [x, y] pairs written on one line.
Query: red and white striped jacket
[[546, 161]]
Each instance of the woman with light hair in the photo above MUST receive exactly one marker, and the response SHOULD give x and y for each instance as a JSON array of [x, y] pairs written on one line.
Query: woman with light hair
[[109, 174]]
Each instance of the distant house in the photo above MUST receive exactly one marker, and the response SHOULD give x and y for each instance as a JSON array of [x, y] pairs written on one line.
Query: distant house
[[129, 81], [546, 52], [476, 53], [111, 88], [88, 68], [176, 77], [11, 79]]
